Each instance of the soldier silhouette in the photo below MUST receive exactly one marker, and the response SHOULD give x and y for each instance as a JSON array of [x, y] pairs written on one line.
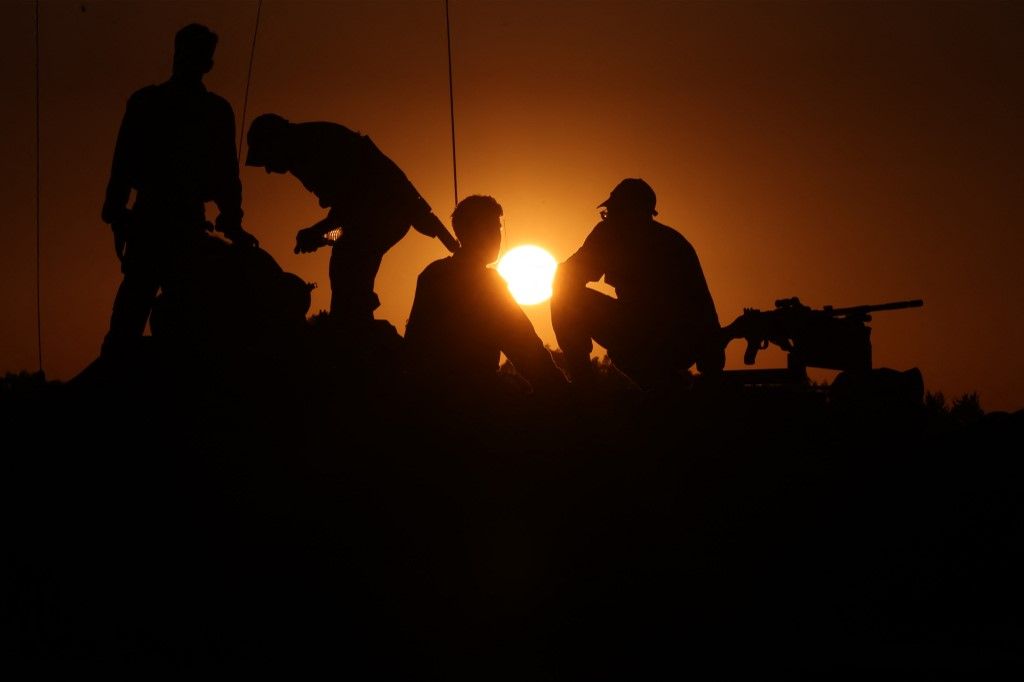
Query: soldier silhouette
[[176, 149], [662, 319], [463, 316], [368, 197]]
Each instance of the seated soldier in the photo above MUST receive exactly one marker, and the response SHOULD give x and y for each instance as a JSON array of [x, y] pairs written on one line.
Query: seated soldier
[[463, 315], [662, 318]]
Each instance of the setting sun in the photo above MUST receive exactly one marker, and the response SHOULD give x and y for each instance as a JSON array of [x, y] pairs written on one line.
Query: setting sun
[[529, 271]]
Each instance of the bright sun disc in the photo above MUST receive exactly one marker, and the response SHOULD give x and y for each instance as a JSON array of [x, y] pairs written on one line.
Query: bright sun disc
[[529, 271]]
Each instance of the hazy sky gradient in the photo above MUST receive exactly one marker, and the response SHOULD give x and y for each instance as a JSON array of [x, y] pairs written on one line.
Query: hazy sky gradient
[[845, 153]]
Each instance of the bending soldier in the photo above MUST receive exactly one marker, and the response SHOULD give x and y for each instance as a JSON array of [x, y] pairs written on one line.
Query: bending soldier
[[176, 149], [368, 197], [662, 319]]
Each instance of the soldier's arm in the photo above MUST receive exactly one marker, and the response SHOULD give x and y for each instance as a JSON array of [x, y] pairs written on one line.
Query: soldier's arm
[[424, 309], [424, 220], [227, 187], [586, 265], [700, 307], [697, 291], [400, 189], [428, 224], [522, 346], [119, 187]]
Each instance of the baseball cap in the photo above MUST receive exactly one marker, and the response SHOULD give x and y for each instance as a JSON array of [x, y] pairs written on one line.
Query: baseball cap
[[631, 192]]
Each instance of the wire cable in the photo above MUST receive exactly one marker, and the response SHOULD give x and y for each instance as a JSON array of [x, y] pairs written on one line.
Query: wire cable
[[248, 78], [39, 295], [451, 100]]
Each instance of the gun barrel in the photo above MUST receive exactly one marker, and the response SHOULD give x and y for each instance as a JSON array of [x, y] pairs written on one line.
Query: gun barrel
[[863, 309]]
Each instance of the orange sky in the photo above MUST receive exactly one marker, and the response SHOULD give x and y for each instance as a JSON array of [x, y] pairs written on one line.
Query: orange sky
[[845, 153]]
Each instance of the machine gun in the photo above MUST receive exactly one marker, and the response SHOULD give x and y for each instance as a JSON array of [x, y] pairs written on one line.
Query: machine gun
[[827, 338]]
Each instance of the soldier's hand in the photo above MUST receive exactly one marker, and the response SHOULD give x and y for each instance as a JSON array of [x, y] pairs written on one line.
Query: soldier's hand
[[450, 242], [713, 361], [120, 240], [310, 239], [242, 238]]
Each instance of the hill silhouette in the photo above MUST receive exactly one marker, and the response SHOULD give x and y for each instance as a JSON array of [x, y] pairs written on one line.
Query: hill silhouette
[[303, 503]]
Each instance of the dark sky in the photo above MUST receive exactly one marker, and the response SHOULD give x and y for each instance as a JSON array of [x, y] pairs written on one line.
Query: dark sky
[[845, 153]]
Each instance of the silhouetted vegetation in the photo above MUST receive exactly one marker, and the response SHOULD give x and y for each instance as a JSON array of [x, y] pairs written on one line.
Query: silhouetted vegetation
[[22, 385], [967, 405]]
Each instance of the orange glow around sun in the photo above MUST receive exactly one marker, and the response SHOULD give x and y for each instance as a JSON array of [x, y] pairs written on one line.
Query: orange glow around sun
[[529, 271]]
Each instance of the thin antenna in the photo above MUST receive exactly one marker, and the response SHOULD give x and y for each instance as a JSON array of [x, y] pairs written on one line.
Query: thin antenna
[[248, 78], [451, 99], [39, 296]]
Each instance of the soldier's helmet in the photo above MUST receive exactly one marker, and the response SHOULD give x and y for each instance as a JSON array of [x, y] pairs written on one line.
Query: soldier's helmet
[[264, 138], [632, 194]]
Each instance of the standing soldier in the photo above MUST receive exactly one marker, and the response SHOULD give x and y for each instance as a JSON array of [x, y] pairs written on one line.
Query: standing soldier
[[176, 149]]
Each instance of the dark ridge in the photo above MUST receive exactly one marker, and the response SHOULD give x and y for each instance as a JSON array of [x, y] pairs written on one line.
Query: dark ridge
[[304, 502]]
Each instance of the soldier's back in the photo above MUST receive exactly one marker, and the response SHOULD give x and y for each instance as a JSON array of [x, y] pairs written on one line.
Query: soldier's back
[[180, 138]]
